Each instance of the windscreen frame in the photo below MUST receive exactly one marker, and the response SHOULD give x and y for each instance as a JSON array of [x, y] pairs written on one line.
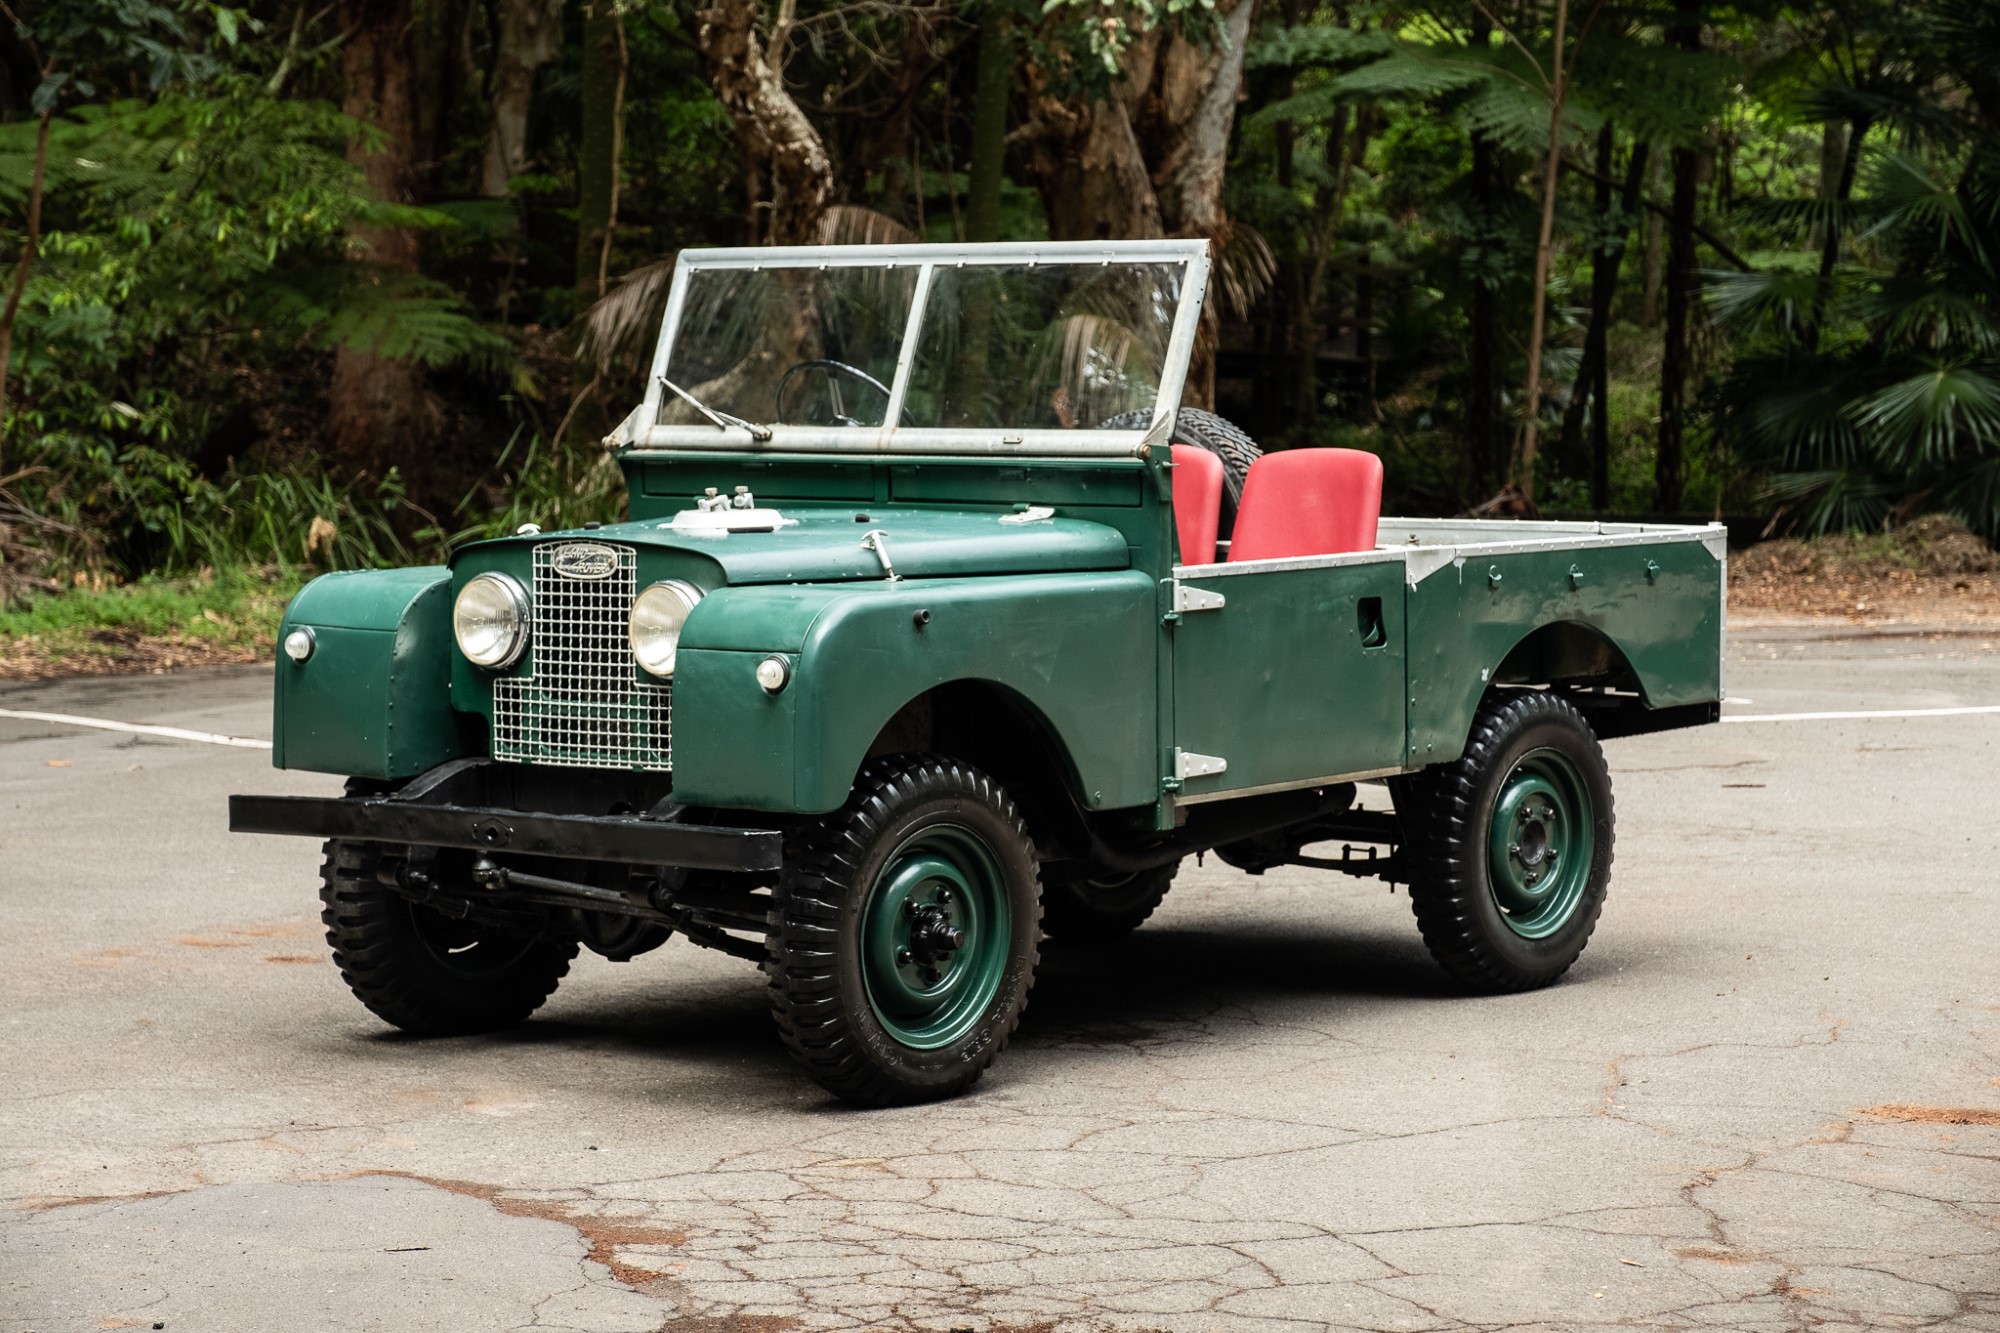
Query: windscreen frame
[[641, 431]]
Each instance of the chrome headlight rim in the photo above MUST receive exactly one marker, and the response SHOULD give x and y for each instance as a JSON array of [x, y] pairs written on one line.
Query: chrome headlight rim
[[519, 606], [647, 652]]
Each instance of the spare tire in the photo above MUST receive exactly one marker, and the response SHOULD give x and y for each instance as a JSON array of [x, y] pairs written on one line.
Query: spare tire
[[1218, 435]]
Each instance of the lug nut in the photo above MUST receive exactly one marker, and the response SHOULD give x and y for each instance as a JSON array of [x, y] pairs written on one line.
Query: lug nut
[[904, 957]]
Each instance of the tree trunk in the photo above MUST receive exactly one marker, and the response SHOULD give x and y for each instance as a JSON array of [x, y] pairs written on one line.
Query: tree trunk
[[1678, 352], [529, 37], [441, 50], [1649, 266], [1570, 460], [1593, 378], [1829, 252], [1092, 176], [1192, 203], [1544, 241], [26, 264], [770, 122], [1832, 156], [989, 125], [596, 170], [378, 408]]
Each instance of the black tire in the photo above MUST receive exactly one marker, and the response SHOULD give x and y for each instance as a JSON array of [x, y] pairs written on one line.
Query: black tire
[[1218, 435], [1483, 913], [1092, 911], [845, 868], [420, 970]]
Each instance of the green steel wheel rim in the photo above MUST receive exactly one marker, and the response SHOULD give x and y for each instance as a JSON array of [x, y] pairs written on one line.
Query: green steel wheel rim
[[1542, 844], [935, 935]]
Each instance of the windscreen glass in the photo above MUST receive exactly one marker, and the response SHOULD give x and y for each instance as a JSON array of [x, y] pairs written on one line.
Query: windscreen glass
[[1043, 346], [789, 346]]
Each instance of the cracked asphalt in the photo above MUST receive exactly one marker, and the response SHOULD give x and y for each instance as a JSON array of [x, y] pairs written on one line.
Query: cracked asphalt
[[1768, 1097]]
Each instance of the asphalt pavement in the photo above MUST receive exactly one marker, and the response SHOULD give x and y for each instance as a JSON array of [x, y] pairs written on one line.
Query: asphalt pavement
[[1768, 1097]]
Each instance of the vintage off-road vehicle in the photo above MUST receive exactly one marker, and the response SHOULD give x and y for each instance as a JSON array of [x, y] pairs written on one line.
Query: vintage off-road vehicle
[[936, 627]]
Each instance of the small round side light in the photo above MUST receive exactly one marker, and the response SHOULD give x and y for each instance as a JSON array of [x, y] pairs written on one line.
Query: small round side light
[[299, 644], [773, 673]]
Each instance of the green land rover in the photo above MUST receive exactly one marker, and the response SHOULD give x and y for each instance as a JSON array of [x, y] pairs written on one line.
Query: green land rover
[[936, 628]]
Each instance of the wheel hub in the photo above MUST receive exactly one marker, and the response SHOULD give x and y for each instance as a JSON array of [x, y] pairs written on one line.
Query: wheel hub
[[933, 935], [1541, 846], [934, 938]]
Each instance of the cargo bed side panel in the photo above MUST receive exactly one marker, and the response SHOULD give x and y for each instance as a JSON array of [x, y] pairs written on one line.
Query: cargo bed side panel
[[1659, 604]]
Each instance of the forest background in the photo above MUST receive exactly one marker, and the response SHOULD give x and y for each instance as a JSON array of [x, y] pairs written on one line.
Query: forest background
[[302, 286]]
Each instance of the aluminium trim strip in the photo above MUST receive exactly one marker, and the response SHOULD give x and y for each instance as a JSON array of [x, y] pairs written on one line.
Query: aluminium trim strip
[[1274, 566], [994, 252], [1366, 775], [870, 441]]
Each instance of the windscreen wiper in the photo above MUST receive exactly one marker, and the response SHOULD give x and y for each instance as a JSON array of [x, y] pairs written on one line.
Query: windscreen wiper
[[722, 420]]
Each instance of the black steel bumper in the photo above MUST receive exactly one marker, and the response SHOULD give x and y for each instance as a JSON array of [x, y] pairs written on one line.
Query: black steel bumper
[[623, 838]]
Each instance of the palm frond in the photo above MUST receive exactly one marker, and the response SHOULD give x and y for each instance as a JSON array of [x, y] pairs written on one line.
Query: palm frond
[[854, 224], [1785, 297], [1833, 499], [1314, 44], [1925, 417], [624, 321], [1245, 268]]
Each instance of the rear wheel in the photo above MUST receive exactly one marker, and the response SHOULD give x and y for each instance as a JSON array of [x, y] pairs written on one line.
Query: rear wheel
[[903, 939], [1511, 845], [1091, 911], [423, 971]]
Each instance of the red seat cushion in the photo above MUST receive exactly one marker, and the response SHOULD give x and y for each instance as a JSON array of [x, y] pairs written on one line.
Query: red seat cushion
[[1197, 502], [1308, 502]]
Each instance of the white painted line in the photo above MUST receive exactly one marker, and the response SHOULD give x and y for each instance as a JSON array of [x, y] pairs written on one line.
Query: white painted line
[[172, 733], [1880, 712]]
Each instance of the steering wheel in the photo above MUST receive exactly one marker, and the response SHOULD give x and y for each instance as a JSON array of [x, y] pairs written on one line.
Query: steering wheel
[[840, 416]]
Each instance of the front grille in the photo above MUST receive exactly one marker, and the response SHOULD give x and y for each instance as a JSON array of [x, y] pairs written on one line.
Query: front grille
[[582, 703]]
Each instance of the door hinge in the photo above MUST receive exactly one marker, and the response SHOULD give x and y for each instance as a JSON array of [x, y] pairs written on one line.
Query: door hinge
[[1190, 598], [1190, 765]]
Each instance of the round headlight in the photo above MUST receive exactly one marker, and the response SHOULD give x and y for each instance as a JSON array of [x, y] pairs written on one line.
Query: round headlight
[[490, 620], [658, 614]]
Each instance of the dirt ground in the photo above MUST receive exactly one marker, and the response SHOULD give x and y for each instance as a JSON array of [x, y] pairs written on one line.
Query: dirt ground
[[1931, 570], [121, 652]]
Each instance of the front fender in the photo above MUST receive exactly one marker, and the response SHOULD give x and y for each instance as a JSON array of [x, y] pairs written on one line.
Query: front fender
[[1079, 648], [373, 700]]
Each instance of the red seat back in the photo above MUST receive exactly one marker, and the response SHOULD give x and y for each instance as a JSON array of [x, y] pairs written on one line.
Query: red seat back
[[1198, 482], [1308, 502]]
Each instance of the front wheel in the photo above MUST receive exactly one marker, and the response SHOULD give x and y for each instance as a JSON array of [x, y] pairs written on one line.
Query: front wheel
[[424, 971], [903, 937], [1511, 845], [1093, 911]]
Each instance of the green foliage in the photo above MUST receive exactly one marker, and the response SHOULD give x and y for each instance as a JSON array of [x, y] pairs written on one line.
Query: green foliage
[[1875, 392], [228, 607]]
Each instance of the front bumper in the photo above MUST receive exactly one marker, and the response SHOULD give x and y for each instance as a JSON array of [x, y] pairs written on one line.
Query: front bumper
[[629, 839]]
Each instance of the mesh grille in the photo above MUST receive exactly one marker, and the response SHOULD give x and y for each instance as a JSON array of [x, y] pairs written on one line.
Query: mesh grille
[[582, 705]]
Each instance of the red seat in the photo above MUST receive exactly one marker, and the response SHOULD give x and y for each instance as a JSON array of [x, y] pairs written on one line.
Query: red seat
[[1308, 502], [1197, 502]]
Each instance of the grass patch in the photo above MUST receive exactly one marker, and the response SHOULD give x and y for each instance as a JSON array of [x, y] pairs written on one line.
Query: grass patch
[[152, 625]]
